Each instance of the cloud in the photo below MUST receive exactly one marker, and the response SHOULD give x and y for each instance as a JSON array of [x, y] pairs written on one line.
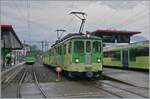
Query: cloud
[[120, 5], [47, 16]]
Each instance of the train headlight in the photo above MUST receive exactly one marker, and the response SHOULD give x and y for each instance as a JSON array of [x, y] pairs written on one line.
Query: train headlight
[[98, 60], [77, 60], [88, 35]]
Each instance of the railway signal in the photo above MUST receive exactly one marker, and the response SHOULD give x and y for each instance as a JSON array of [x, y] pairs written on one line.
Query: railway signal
[[82, 19], [58, 70]]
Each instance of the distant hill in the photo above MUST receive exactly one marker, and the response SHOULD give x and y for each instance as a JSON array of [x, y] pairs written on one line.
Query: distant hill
[[138, 39]]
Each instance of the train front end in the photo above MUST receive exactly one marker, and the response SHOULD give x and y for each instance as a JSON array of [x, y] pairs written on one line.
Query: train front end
[[86, 56]]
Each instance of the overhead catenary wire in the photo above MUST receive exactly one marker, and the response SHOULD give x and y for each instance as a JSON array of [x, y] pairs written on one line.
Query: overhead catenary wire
[[33, 22]]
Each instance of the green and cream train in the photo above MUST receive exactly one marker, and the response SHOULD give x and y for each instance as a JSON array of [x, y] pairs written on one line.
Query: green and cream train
[[133, 56], [76, 54]]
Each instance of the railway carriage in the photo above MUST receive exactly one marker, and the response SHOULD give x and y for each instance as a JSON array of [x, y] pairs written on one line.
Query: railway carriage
[[134, 56], [77, 54], [30, 58]]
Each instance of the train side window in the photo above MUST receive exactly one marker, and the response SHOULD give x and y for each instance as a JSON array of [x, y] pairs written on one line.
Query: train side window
[[138, 52], [79, 47], [69, 47], [95, 46], [106, 54], [64, 49], [116, 55], [143, 51], [60, 50], [88, 46], [132, 53], [146, 51], [57, 49], [50, 53]]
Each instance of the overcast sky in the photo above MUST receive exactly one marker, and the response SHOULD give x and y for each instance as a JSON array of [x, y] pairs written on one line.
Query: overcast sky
[[44, 17]]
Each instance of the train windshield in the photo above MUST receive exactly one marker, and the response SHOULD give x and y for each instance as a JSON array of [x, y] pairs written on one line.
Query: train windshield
[[29, 54], [79, 46], [88, 46], [96, 46]]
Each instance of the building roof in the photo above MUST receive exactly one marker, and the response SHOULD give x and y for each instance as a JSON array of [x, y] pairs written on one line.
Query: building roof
[[9, 38], [112, 36], [115, 32]]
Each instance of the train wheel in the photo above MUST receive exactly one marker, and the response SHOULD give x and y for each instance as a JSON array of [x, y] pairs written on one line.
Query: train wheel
[[89, 74], [70, 75], [98, 75]]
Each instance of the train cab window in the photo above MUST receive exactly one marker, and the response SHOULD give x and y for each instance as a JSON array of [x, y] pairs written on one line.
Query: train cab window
[[69, 47], [79, 47], [99, 46], [96, 46], [88, 46]]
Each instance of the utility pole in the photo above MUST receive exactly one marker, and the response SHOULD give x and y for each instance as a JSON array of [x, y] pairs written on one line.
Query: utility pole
[[60, 35], [4, 53], [42, 45], [45, 45], [81, 18]]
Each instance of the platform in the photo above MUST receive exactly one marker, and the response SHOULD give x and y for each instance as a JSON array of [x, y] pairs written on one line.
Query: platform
[[136, 78], [4, 71]]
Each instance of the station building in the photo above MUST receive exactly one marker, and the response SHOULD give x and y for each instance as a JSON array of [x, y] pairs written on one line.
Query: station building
[[10, 43]]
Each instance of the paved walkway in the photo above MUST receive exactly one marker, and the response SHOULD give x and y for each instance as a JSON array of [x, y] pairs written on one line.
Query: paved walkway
[[132, 77]]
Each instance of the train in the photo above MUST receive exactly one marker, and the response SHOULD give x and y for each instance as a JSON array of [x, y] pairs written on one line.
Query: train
[[77, 55], [132, 56], [30, 58]]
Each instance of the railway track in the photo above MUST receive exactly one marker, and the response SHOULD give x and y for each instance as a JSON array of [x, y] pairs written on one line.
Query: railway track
[[126, 91], [38, 85], [117, 80], [20, 83], [42, 92]]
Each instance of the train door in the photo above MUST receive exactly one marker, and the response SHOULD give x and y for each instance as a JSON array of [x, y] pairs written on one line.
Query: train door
[[125, 58], [88, 54]]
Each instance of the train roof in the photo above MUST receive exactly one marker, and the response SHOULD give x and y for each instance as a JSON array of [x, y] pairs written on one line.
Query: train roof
[[130, 46], [74, 35]]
